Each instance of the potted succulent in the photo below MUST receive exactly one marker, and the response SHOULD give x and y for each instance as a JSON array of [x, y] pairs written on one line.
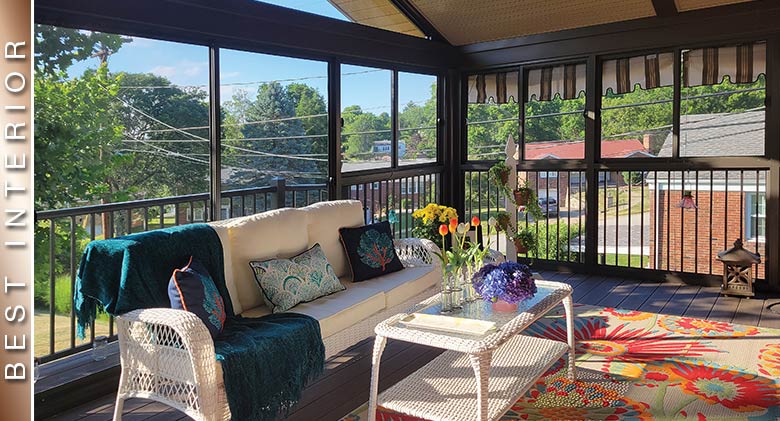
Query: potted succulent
[[525, 240], [504, 285]]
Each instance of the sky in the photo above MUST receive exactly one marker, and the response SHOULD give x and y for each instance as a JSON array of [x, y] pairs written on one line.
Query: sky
[[187, 65]]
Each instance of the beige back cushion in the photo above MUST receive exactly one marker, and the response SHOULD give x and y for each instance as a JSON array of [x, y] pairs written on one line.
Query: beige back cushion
[[278, 233], [324, 220], [224, 237]]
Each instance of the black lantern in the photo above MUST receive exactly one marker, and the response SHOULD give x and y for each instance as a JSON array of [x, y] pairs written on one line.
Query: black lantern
[[738, 270]]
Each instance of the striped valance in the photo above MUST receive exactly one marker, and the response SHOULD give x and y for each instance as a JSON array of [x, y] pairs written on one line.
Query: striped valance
[[565, 81], [498, 88], [649, 71], [708, 66]]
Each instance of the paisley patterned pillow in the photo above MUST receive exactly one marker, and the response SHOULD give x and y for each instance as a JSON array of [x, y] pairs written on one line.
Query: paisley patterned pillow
[[192, 289], [300, 279]]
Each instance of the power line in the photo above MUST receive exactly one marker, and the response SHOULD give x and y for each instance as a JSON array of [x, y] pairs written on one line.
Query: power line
[[259, 82]]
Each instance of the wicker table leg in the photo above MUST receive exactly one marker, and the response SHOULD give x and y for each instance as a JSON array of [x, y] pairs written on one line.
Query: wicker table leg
[[568, 307], [481, 365], [379, 347]]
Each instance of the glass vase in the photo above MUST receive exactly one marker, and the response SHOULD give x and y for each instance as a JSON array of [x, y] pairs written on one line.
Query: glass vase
[[446, 294], [469, 294], [457, 289]]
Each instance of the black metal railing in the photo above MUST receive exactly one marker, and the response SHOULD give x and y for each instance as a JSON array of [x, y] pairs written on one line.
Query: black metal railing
[[558, 233], [644, 224], [640, 223], [395, 198], [62, 234]]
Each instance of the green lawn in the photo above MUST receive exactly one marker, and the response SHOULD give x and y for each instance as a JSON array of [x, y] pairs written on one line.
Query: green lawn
[[61, 332], [623, 260]]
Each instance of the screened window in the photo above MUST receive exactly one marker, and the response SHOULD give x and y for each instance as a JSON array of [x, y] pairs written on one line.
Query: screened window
[[723, 94], [366, 134], [755, 223], [636, 106], [274, 120], [417, 118], [492, 115], [554, 124]]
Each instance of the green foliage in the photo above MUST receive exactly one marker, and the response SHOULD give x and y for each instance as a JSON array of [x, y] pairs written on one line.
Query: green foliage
[[152, 171], [57, 48], [553, 240], [499, 174], [527, 238], [76, 136], [633, 177], [489, 126]]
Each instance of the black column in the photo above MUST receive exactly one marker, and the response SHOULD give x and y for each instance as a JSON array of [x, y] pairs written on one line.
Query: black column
[[215, 136]]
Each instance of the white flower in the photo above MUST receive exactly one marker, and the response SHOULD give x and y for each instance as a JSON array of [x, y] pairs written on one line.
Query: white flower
[[461, 228], [492, 222]]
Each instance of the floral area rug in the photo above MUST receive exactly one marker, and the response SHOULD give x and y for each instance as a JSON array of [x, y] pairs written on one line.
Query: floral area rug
[[643, 366]]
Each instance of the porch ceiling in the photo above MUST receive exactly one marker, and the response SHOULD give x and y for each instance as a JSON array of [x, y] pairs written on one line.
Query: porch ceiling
[[379, 14], [464, 22]]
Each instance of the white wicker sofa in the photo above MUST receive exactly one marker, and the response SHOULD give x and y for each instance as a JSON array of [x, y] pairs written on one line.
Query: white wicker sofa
[[168, 356]]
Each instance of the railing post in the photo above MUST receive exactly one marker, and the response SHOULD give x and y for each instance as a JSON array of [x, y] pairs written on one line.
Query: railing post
[[280, 196]]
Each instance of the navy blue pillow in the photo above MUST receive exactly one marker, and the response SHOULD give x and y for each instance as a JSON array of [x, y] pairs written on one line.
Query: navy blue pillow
[[192, 289], [370, 251]]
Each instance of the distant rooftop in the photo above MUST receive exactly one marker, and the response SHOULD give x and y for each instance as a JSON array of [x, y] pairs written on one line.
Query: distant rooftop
[[576, 150], [737, 134]]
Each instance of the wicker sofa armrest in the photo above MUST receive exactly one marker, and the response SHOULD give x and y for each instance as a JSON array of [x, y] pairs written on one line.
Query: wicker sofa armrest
[[416, 251], [168, 355]]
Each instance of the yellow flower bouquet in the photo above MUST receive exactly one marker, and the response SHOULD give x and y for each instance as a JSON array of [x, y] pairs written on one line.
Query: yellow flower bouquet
[[428, 219]]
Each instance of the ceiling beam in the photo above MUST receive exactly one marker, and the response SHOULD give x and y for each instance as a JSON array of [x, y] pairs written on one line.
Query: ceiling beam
[[410, 11], [664, 8], [250, 25]]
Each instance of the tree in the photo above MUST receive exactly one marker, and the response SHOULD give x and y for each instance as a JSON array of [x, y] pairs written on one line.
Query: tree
[[149, 116], [272, 143], [57, 48], [76, 134]]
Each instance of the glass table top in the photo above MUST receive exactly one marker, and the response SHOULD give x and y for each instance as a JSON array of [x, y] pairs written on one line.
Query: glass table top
[[482, 310]]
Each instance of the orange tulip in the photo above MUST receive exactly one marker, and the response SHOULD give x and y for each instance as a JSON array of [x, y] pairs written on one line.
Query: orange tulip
[[453, 225], [442, 230], [475, 221]]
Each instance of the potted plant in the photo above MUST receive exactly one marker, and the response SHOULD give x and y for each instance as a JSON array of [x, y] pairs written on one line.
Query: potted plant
[[525, 240], [504, 285], [524, 196], [499, 173], [503, 222]]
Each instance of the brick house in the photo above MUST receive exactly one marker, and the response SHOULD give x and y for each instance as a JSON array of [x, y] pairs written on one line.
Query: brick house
[[730, 205], [553, 184]]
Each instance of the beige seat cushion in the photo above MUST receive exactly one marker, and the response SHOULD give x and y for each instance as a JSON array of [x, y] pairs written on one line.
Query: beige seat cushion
[[402, 285], [338, 311], [268, 235], [324, 220]]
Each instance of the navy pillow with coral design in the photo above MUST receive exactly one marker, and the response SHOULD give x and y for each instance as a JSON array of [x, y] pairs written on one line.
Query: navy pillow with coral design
[[370, 251], [192, 289]]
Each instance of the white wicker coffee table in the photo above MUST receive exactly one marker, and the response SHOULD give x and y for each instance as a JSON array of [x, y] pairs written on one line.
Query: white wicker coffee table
[[478, 377]]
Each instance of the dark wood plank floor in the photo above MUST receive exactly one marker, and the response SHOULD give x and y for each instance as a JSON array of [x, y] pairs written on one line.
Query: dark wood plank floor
[[344, 385]]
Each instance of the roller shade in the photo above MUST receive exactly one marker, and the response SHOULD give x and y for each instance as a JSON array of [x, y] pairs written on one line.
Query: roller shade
[[493, 87], [708, 66], [565, 81], [648, 71]]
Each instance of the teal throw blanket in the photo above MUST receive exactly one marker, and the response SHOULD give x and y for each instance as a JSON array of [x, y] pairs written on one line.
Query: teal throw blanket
[[266, 361], [132, 272]]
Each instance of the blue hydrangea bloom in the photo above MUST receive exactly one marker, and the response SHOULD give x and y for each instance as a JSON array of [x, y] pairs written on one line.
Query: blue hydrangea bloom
[[508, 281]]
